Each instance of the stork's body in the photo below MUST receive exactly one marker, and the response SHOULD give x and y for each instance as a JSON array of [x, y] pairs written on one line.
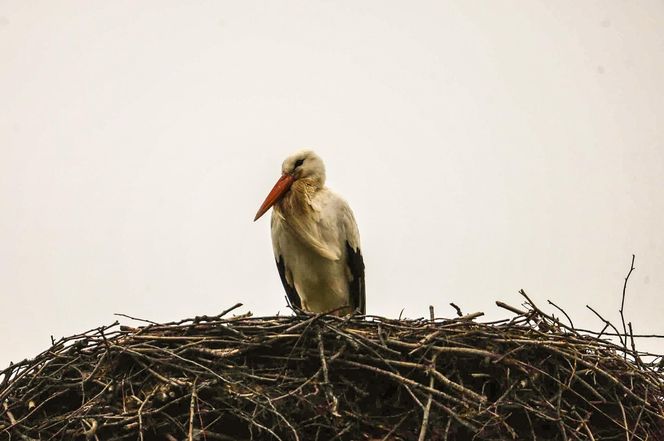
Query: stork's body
[[315, 239]]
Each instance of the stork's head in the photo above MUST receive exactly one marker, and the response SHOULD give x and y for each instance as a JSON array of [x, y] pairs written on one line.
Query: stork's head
[[303, 164]]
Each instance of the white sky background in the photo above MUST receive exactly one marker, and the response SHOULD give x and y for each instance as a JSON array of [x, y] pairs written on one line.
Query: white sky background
[[484, 147]]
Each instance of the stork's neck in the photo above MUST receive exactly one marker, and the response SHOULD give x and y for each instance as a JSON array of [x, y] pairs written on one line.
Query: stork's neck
[[297, 201]]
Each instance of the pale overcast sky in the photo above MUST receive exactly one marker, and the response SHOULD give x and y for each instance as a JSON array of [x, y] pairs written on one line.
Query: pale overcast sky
[[485, 146]]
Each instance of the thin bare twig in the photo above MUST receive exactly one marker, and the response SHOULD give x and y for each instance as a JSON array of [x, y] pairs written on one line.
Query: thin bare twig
[[563, 311], [427, 410], [622, 303], [458, 310], [192, 409]]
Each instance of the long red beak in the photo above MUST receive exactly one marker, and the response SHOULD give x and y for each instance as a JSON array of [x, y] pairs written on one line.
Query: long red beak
[[281, 187]]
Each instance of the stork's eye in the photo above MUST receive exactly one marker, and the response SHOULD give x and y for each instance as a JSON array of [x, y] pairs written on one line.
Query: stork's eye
[[298, 163]]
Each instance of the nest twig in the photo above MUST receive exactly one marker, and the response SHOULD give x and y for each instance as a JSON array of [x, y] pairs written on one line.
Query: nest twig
[[322, 377]]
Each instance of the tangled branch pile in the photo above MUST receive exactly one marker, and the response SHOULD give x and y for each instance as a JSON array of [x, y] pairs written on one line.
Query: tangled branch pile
[[329, 378]]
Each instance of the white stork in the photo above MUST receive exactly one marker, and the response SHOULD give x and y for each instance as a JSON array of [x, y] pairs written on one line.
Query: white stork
[[315, 239]]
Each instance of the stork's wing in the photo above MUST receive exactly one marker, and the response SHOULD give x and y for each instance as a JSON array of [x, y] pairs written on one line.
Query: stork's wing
[[354, 260], [293, 296], [356, 284]]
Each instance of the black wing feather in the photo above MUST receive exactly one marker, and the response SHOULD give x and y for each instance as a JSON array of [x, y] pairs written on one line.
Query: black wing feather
[[356, 285], [293, 296]]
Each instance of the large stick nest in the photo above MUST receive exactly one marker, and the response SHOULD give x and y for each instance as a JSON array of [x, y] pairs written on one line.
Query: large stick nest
[[323, 377]]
